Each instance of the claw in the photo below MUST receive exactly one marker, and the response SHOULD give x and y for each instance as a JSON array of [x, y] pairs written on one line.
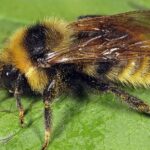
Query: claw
[[47, 139]]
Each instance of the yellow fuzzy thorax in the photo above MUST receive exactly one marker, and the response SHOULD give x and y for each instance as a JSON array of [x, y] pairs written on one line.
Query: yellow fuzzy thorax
[[16, 54], [62, 40]]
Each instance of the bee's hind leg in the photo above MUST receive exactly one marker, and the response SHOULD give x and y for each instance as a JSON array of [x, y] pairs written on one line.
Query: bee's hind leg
[[107, 86], [17, 95], [132, 101]]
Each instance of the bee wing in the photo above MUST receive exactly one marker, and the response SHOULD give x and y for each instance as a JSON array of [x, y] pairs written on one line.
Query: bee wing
[[117, 37]]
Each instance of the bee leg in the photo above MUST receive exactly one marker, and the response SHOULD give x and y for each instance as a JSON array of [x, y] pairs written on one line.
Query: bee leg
[[132, 101], [17, 95], [107, 86], [48, 95]]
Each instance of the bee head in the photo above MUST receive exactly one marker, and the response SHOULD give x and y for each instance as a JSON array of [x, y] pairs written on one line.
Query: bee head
[[8, 76]]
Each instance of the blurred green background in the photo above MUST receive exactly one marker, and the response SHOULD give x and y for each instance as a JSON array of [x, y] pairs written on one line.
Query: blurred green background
[[100, 122]]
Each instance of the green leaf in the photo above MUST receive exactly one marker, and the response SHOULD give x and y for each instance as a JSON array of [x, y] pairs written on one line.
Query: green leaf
[[100, 122]]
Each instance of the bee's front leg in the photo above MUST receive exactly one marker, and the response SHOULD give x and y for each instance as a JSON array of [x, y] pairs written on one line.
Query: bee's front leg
[[17, 95]]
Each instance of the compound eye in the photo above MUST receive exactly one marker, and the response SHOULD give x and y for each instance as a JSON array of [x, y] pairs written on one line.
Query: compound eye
[[9, 72], [8, 76], [35, 40]]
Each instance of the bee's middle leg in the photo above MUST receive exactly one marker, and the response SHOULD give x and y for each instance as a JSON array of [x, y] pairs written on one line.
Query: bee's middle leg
[[49, 94]]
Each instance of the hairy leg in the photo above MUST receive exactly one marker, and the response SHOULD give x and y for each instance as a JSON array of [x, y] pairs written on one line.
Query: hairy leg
[[49, 94], [106, 86], [17, 95], [132, 101]]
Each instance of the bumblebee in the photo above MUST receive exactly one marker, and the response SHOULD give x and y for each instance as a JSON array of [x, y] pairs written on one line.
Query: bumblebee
[[53, 56]]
